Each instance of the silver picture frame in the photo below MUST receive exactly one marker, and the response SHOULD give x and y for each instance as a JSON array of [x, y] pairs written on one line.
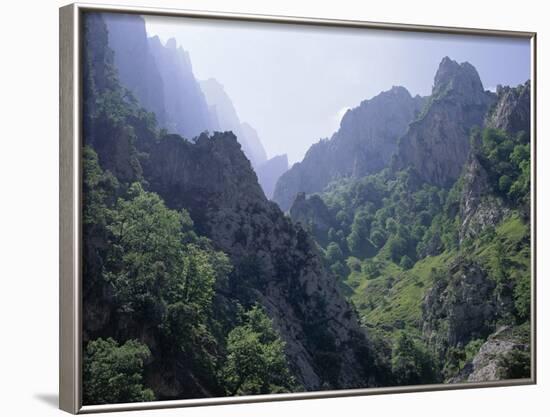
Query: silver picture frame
[[70, 206]]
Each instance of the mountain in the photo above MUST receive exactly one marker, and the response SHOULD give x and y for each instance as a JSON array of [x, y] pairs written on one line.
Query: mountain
[[270, 171], [436, 145], [228, 120], [366, 140], [166, 217], [159, 76], [214, 181], [187, 112], [161, 79], [224, 111], [380, 277], [136, 67], [512, 110], [435, 252]]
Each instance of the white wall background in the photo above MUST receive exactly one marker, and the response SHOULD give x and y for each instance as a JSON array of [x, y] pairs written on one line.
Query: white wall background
[[29, 208]]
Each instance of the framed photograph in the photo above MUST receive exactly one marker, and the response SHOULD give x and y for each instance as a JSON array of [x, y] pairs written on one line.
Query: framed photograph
[[261, 208]]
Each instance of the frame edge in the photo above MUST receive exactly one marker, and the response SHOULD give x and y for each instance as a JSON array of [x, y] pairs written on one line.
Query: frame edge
[[70, 350], [68, 314]]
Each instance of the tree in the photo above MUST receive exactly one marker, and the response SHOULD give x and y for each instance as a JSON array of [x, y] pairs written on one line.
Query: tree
[[515, 364], [406, 262], [113, 373], [334, 253], [378, 238], [397, 247], [410, 363], [357, 240], [256, 363], [504, 183]]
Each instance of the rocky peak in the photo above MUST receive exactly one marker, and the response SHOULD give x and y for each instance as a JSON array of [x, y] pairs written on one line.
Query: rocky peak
[[458, 80], [215, 182], [364, 144], [171, 43], [227, 118], [436, 145], [512, 110]]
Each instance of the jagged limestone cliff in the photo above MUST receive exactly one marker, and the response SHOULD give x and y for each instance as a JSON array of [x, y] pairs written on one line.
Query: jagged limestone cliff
[[215, 182], [363, 145], [273, 262], [436, 145]]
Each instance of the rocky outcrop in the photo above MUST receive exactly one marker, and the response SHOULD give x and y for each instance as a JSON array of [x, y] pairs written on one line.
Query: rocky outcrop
[[505, 355], [159, 76], [364, 144], [436, 145], [479, 207], [313, 214], [461, 306], [512, 110], [136, 67], [275, 262], [270, 171]]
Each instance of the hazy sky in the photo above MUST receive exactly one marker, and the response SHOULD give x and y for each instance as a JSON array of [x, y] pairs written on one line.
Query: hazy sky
[[293, 83]]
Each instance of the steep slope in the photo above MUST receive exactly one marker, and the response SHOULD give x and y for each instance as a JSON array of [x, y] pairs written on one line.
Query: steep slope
[[512, 111], [436, 145], [313, 214], [363, 145], [275, 262], [159, 76], [272, 262], [186, 110], [224, 111], [481, 206], [136, 67]]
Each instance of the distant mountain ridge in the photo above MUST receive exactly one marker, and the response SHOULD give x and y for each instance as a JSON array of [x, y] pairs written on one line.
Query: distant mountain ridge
[[227, 120], [364, 143], [273, 263], [394, 130], [162, 79]]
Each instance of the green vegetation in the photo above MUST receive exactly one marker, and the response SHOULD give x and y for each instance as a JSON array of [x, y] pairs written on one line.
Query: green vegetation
[[256, 361], [411, 362], [395, 236], [114, 373], [507, 160], [166, 313], [159, 316]]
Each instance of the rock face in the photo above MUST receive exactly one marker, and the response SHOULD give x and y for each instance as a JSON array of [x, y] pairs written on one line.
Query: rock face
[[512, 111], [312, 213], [160, 76], [215, 182], [479, 207], [363, 145], [136, 67], [461, 306], [270, 171], [186, 110], [222, 109], [436, 145], [490, 363]]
